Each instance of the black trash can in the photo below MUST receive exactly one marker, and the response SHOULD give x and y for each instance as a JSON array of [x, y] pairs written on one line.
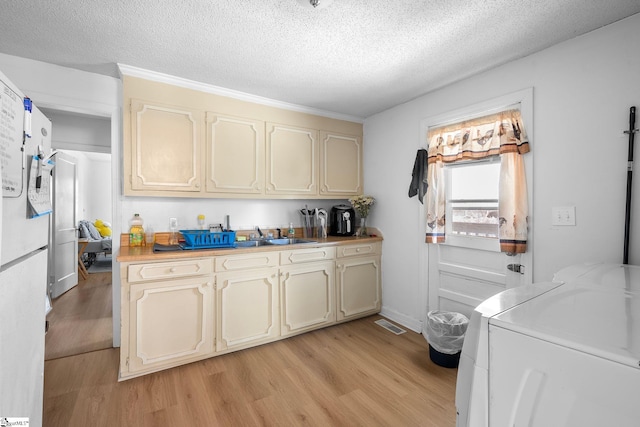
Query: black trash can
[[445, 331]]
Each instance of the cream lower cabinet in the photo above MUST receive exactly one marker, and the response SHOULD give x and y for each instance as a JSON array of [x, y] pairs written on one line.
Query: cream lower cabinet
[[247, 300], [358, 280], [168, 314], [176, 312], [307, 290]]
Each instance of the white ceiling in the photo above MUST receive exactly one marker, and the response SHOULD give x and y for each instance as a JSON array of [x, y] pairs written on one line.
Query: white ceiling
[[354, 57]]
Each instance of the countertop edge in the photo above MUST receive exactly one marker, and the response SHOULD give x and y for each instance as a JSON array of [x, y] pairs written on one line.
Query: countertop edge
[[145, 253]]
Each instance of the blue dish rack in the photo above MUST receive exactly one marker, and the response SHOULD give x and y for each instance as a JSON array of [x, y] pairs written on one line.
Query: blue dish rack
[[204, 239]]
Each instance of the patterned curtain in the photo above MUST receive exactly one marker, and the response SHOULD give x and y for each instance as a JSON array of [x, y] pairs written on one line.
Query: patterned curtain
[[500, 134]]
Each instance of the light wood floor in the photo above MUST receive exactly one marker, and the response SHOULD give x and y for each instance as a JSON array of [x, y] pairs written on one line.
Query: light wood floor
[[81, 319], [353, 374]]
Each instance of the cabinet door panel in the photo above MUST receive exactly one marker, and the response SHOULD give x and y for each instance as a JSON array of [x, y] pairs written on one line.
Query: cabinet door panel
[[307, 297], [248, 309], [340, 164], [165, 147], [170, 322], [359, 289], [235, 155], [291, 160]]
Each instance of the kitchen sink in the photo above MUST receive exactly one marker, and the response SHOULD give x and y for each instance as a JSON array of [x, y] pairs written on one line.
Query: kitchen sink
[[267, 242], [292, 241], [252, 243]]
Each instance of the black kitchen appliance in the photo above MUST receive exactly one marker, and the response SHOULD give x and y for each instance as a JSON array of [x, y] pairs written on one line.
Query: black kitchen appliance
[[342, 221]]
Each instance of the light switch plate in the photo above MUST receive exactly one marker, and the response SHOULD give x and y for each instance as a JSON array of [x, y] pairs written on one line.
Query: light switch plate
[[563, 215]]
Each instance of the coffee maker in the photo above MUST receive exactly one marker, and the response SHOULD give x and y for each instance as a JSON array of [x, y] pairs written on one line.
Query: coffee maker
[[342, 220]]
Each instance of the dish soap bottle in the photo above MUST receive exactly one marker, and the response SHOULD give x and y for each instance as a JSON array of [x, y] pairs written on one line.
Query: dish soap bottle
[[292, 232], [136, 232]]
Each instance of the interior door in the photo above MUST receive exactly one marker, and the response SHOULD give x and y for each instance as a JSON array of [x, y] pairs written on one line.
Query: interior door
[[64, 242], [469, 267], [463, 273]]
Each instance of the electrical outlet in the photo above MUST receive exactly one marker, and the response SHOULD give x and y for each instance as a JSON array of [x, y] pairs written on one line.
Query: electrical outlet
[[565, 215]]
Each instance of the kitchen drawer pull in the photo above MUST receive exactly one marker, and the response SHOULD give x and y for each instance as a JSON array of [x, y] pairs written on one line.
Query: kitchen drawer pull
[[172, 270], [359, 250]]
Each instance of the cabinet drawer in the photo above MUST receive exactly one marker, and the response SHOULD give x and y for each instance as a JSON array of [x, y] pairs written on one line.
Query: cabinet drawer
[[359, 249], [246, 261], [297, 256], [169, 270]]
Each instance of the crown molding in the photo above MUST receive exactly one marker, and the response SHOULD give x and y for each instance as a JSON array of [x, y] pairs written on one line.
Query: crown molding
[[129, 70]]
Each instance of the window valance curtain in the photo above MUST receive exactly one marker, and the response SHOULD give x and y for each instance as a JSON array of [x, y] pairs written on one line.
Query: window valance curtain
[[502, 134]]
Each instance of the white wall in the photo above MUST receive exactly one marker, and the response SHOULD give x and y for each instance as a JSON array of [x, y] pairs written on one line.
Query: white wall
[[79, 131], [94, 186], [243, 214], [583, 90]]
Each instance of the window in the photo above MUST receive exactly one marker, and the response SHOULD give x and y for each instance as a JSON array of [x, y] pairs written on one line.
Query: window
[[472, 200], [476, 134]]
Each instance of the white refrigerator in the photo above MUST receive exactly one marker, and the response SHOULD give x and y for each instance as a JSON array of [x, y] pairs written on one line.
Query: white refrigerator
[[24, 236], [562, 353]]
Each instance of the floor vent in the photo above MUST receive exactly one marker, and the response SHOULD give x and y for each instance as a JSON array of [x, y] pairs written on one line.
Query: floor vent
[[390, 327]]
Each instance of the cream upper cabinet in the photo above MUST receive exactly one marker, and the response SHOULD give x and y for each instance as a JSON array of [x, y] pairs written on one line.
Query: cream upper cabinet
[[340, 164], [235, 155], [358, 280], [182, 142], [292, 159], [166, 148]]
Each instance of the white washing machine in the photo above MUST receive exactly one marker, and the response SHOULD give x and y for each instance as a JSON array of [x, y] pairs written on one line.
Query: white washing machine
[[561, 353]]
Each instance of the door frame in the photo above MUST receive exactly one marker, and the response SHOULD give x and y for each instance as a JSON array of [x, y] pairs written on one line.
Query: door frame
[[55, 102], [429, 253]]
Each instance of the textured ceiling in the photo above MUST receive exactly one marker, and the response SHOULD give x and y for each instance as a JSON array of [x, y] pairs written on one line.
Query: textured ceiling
[[354, 57]]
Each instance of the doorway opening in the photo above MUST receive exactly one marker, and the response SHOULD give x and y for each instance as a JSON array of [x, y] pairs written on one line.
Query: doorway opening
[[81, 319]]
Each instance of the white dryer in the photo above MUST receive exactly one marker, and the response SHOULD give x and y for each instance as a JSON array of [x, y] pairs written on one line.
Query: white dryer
[[561, 353]]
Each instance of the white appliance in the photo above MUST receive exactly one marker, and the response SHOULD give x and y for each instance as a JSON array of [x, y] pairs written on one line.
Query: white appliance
[[561, 353], [23, 261]]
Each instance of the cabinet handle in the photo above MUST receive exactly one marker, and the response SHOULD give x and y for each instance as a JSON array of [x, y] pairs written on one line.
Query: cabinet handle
[[358, 250], [172, 270]]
